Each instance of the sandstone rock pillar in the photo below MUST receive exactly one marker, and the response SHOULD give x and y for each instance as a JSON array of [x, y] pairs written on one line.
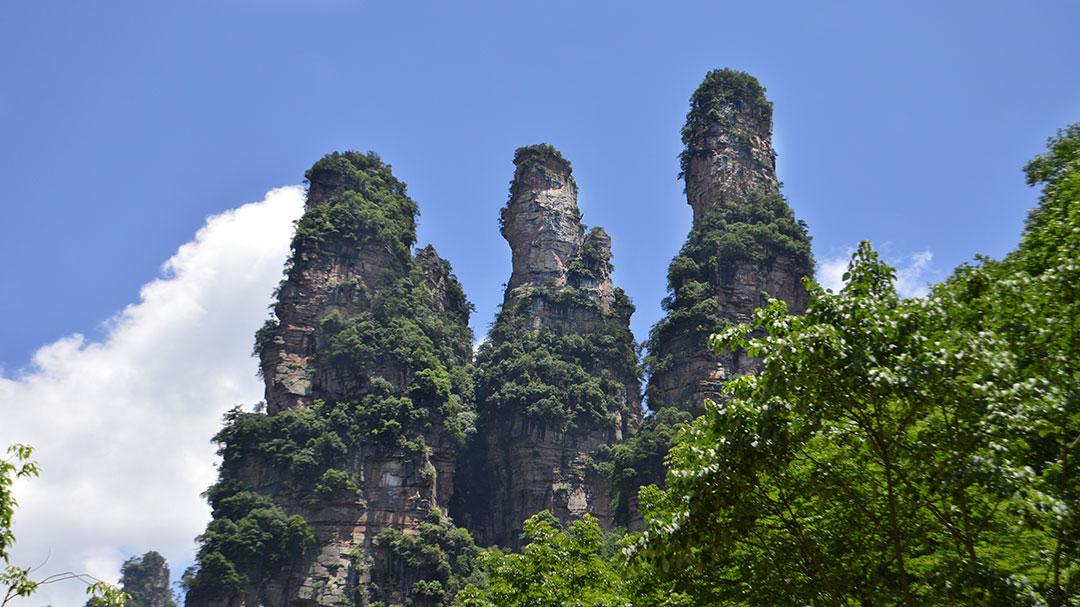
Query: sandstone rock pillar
[[557, 380], [745, 243]]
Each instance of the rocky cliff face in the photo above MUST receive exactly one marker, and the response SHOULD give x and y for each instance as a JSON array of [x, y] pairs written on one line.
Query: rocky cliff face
[[745, 243], [338, 493], [541, 222], [728, 139], [368, 399], [557, 380]]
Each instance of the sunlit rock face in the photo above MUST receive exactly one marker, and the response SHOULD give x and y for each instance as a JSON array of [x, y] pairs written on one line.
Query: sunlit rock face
[[531, 452], [542, 222], [367, 403], [745, 243]]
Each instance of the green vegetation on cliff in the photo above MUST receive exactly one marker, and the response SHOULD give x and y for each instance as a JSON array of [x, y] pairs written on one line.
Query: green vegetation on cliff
[[145, 579], [720, 90], [919, 451], [392, 352], [560, 354], [568, 380], [755, 230], [355, 197], [438, 561]]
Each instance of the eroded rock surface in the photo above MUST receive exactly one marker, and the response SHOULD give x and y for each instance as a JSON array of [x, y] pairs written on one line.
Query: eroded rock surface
[[368, 400], [557, 379], [745, 244]]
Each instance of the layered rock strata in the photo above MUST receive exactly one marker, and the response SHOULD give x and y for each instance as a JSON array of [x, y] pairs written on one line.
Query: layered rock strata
[[367, 401], [745, 244], [557, 379]]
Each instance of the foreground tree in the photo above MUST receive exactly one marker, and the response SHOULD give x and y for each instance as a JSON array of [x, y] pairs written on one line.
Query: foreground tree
[[577, 565], [895, 451]]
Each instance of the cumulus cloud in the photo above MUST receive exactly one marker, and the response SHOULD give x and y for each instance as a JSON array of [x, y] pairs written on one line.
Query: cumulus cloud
[[830, 271], [912, 272], [911, 280], [122, 426]]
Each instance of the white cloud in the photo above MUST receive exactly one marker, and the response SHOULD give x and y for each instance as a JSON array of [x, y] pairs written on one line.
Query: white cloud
[[912, 272], [911, 280], [830, 271], [122, 427]]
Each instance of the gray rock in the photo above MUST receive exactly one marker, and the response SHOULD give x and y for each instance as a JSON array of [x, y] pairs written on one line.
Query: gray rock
[[560, 284]]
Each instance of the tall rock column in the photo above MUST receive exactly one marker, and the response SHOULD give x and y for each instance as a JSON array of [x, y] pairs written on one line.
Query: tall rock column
[[728, 139], [323, 498], [745, 243], [557, 380]]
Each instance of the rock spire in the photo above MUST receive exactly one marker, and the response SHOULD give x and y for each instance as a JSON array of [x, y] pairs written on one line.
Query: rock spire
[[321, 497], [745, 243], [557, 379]]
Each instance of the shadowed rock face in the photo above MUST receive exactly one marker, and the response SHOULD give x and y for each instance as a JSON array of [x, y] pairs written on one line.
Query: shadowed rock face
[[527, 458], [729, 170], [363, 420]]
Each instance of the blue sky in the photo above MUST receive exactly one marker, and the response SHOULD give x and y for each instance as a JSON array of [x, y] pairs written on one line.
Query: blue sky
[[126, 123], [132, 134]]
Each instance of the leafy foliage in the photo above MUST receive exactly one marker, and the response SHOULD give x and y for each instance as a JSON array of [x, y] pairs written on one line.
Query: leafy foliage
[[639, 460], [539, 153], [566, 379], [440, 560], [17, 464], [355, 198], [864, 457], [402, 330], [895, 451], [920, 451], [757, 230], [250, 540], [577, 565], [15, 580], [558, 567], [18, 582]]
